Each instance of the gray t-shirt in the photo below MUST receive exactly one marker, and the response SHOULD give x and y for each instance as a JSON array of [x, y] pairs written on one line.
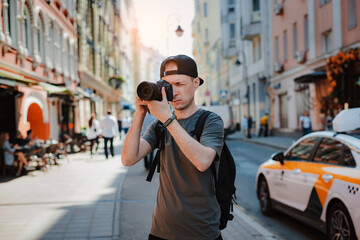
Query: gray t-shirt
[[186, 206]]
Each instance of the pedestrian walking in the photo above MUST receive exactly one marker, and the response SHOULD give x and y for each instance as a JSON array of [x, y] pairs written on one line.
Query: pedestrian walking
[[109, 129], [305, 123], [264, 121], [328, 120], [249, 127], [93, 133], [147, 122], [244, 124], [119, 121], [186, 206]]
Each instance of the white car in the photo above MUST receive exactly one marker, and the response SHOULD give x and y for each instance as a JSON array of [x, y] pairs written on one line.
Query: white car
[[317, 180]]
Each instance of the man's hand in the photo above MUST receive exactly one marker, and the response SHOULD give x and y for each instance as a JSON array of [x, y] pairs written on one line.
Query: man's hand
[[160, 109], [141, 107]]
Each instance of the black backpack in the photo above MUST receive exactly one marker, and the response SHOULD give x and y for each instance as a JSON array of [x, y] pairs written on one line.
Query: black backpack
[[224, 180]]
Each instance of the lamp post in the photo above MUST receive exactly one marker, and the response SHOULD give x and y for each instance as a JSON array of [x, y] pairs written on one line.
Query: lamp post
[[179, 31], [245, 75]]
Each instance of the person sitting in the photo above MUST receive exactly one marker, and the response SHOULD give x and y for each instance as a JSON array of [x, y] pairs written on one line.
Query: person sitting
[[10, 153]]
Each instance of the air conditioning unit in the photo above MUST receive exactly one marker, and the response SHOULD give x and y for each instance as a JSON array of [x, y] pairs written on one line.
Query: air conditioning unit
[[300, 56], [278, 67], [278, 8]]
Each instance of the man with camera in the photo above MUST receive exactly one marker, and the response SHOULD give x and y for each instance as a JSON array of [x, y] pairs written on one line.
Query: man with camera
[[186, 206]]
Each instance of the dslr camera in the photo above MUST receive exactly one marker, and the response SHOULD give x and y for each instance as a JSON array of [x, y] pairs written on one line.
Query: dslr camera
[[149, 91]]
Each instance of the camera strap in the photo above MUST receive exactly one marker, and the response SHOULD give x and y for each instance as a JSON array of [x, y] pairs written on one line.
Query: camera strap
[[160, 132]]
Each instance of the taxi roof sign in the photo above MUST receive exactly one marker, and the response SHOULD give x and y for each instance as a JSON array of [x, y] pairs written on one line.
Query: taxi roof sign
[[347, 120]]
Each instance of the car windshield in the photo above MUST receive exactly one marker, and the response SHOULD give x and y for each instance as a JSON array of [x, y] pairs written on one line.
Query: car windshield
[[355, 134]]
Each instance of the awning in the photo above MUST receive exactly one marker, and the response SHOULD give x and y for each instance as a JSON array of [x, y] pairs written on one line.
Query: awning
[[312, 77], [85, 94], [52, 89], [8, 78], [127, 105]]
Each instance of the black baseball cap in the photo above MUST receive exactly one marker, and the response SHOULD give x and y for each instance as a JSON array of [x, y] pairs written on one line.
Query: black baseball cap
[[186, 65]]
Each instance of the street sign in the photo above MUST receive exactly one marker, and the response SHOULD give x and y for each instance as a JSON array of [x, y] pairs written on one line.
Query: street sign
[[223, 94]]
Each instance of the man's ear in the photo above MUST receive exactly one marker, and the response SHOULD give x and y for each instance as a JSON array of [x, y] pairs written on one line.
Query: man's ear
[[197, 82]]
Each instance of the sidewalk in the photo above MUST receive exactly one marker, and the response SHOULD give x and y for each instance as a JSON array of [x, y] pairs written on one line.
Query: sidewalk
[[79, 199], [138, 198], [281, 143]]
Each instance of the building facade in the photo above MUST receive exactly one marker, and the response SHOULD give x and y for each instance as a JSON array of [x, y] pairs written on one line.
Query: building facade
[[105, 35], [212, 67], [246, 34], [38, 71], [308, 34]]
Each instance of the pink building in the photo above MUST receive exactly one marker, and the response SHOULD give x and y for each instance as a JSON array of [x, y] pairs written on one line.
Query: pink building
[[38, 74], [305, 34]]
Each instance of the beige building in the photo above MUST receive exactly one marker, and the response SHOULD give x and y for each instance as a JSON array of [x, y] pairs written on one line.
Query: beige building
[[206, 32], [105, 36]]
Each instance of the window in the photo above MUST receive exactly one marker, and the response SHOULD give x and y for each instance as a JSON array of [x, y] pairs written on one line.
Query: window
[[27, 31], [306, 32], [256, 5], [205, 9], [285, 46], [256, 43], [329, 151], [41, 38], [351, 14], [303, 150], [348, 157], [277, 49], [327, 45], [295, 40], [231, 6], [232, 30], [206, 36], [12, 22], [322, 2]]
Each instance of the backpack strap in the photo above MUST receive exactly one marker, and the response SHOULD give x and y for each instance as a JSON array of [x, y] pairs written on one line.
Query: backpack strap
[[160, 131], [199, 126]]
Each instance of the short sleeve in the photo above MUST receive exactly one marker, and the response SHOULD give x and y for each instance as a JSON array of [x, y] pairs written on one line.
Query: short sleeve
[[150, 136], [213, 133]]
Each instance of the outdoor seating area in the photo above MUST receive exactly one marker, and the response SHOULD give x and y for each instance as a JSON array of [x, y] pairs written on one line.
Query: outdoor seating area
[[40, 155]]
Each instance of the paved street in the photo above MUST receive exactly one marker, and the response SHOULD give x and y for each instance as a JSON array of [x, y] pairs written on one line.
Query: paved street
[[78, 199], [91, 198]]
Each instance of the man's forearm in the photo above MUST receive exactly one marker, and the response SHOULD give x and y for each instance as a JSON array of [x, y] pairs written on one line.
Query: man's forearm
[[200, 156]]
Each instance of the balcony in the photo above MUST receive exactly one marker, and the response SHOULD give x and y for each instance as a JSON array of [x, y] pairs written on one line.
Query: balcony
[[229, 17], [251, 30]]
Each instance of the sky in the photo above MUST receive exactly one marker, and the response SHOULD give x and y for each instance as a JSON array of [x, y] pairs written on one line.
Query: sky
[[155, 16]]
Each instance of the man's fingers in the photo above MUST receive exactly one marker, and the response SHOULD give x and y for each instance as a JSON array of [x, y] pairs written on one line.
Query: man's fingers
[[163, 92]]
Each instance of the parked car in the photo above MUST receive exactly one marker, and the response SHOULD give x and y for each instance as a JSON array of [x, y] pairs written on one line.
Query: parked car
[[317, 180], [226, 113]]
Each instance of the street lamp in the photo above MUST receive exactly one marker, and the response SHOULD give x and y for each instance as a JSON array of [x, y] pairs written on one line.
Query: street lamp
[[238, 63], [179, 31]]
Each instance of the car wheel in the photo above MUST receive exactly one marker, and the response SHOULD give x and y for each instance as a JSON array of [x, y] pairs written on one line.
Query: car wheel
[[339, 224], [264, 197]]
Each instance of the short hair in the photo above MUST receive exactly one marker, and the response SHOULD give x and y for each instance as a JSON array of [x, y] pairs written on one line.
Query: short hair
[[108, 111]]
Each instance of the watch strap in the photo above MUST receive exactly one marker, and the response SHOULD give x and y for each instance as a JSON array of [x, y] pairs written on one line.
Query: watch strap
[[167, 123]]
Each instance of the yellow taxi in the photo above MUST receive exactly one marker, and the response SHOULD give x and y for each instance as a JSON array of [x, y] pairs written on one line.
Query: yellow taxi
[[317, 180]]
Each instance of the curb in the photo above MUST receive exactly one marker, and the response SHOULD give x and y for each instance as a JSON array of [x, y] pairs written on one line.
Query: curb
[[259, 143], [254, 224]]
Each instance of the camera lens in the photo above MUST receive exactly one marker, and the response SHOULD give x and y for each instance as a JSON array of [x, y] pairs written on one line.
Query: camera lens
[[145, 90]]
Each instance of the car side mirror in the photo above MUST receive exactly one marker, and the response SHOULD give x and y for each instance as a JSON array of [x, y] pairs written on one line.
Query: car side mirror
[[278, 157]]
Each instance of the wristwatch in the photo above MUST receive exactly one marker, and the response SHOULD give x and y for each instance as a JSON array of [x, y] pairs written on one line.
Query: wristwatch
[[169, 120]]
